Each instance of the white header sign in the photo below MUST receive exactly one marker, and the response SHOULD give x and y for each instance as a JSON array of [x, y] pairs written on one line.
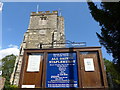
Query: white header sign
[[89, 64], [28, 86], [33, 63]]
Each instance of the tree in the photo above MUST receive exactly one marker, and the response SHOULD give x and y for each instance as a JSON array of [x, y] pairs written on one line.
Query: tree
[[7, 68], [113, 75], [108, 16]]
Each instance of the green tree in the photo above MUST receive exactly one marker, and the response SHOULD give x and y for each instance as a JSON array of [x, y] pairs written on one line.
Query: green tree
[[7, 68], [113, 75], [108, 16]]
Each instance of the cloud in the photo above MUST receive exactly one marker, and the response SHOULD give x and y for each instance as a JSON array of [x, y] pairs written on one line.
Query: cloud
[[1, 6], [12, 46], [0, 47], [13, 49]]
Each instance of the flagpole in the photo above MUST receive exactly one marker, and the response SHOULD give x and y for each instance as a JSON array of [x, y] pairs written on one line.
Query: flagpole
[[37, 8]]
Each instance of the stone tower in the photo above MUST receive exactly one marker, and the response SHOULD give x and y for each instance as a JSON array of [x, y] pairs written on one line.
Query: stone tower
[[45, 30]]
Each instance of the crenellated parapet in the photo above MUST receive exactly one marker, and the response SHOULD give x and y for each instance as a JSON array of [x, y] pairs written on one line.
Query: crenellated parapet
[[44, 13]]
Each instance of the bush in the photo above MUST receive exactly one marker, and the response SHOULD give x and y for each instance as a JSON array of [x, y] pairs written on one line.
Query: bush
[[10, 87]]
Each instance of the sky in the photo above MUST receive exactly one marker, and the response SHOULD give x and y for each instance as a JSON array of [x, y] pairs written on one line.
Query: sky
[[79, 24]]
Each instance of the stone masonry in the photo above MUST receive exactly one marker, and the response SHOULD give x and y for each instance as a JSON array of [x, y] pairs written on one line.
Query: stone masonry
[[45, 30]]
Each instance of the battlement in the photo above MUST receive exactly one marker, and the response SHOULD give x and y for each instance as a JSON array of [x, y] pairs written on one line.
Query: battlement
[[44, 13]]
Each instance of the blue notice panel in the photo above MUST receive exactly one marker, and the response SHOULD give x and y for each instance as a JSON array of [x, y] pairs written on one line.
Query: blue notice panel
[[62, 70]]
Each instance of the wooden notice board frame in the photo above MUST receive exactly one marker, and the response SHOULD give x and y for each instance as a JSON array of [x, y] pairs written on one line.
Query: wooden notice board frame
[[39, 78]]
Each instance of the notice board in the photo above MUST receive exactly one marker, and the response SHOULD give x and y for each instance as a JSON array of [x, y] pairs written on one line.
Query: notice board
[[62, 70]]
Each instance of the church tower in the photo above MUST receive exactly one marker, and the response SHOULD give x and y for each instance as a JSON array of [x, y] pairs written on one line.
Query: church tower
[[45, 30]]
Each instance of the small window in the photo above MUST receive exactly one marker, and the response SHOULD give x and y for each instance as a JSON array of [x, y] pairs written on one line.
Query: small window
[[43, 18], [43, 32], [43, 21]]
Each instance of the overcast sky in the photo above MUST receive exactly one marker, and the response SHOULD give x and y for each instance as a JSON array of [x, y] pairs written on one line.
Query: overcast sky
[[79, 24]]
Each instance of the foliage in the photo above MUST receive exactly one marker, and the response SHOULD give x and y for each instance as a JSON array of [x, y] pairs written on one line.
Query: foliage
[[108, 16], [7, 68], [112, 74], [10, 87]]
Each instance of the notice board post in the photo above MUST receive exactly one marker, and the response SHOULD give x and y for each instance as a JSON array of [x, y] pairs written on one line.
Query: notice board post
[[63, 68]]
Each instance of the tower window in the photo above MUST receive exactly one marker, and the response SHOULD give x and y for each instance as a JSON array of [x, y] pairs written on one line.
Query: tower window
[[43, 21], [43, 18], [42, 32]]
